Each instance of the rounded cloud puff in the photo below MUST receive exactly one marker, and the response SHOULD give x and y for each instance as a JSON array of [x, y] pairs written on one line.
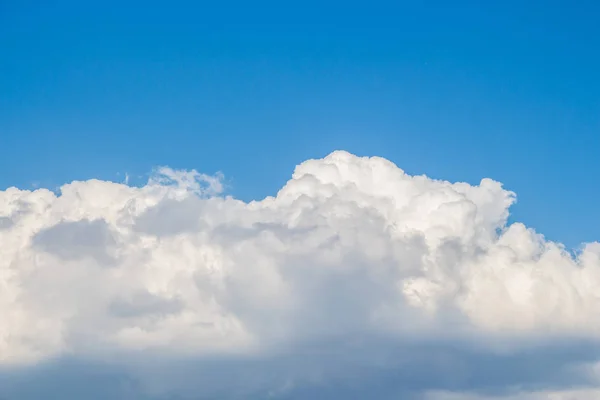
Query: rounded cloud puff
[[350, 246]]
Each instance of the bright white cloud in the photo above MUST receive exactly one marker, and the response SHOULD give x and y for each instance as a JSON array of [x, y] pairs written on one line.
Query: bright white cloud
[[350, 247]]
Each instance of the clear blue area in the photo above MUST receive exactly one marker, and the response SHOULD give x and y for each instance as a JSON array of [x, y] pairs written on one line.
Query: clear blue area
[[458, 90]]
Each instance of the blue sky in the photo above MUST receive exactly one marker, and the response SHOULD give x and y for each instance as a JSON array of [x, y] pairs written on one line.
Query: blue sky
[[357, 280], [507, 90]]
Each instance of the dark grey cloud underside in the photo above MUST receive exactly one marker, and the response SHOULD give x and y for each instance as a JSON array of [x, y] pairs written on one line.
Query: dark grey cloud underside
[[376, 370]]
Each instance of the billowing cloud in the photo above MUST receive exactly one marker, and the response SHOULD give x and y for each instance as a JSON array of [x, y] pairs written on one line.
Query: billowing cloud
[[355, 278]]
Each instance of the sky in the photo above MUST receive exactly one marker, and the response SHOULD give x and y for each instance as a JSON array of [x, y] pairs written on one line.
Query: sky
[[310, 199], [503, 90]]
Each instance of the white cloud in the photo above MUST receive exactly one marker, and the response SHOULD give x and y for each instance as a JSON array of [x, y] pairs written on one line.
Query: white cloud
[[350, 249], [576, 394]]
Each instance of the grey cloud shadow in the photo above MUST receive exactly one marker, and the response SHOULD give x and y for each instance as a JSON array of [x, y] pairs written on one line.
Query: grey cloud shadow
[[340, 368], [8, 221], [171, 217], [74, 240], [144, 303]]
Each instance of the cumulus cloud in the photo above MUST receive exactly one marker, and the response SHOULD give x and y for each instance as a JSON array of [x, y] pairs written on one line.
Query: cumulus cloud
[[76, 240], [355, 278]]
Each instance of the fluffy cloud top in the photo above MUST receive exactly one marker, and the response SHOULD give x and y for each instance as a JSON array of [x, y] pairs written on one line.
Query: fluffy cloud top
[[352, 254]]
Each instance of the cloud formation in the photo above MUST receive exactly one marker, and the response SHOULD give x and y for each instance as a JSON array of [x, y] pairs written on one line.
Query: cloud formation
[[354, 277]]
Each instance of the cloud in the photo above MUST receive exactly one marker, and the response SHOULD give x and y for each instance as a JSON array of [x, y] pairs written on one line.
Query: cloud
[[356, 279], [538, 395], [76, 240]]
